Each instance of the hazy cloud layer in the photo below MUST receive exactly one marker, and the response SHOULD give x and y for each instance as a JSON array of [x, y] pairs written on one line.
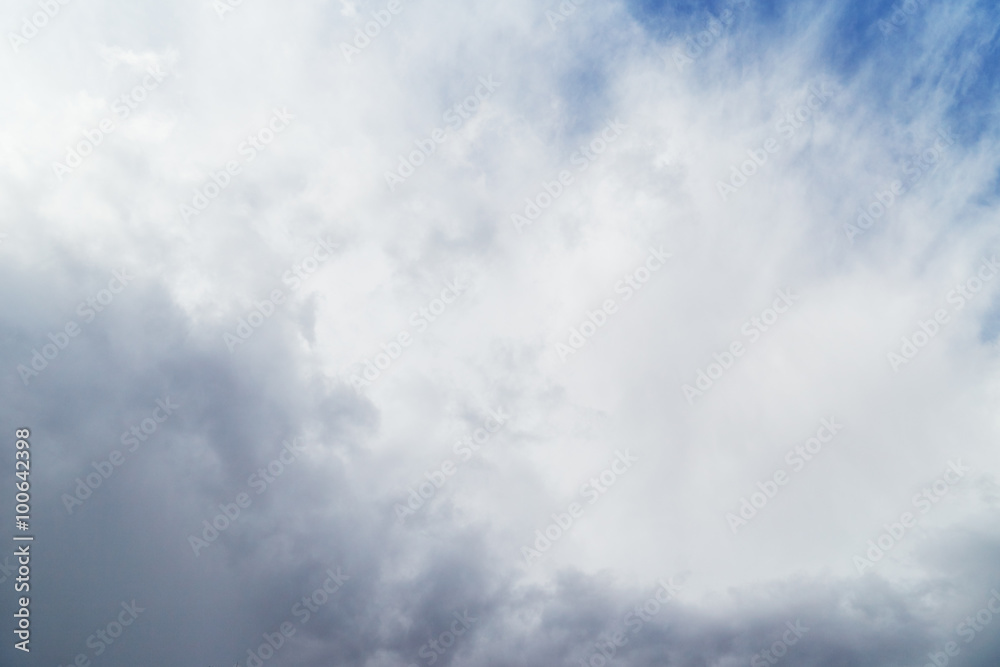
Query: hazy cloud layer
[[503, 329]]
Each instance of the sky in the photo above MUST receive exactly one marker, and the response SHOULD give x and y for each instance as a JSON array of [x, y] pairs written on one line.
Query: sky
[[406, 333]]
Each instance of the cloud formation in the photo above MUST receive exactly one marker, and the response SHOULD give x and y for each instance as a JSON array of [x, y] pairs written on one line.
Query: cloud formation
[[719, 244]]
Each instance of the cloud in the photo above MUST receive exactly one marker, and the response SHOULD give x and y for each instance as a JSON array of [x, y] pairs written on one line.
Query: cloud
[[792, 148]]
